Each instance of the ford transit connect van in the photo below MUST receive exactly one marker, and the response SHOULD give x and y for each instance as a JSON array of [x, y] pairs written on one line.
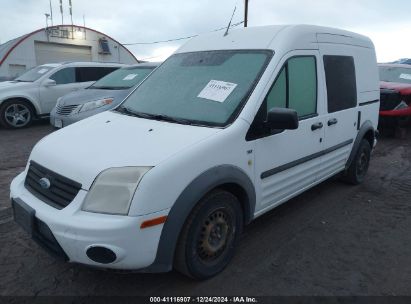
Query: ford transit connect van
[[226, 129]]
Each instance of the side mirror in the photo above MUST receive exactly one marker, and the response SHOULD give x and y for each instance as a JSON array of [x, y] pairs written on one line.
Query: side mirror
[[282, 119], [49, 82]]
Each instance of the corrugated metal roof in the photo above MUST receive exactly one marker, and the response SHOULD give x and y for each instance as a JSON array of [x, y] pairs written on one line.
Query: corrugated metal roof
[[5, 47]]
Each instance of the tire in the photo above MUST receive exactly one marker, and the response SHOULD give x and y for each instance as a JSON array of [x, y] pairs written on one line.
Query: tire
[[209, 237], [16, 114], [356, 172]]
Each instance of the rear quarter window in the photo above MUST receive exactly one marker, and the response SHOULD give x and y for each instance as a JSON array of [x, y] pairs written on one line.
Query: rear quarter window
[[341, 82], [85, 74]]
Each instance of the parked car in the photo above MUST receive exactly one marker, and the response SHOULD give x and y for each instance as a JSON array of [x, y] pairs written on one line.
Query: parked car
[[403, 61], [395, 88], [103, 95], [35, 93], [226, 129]]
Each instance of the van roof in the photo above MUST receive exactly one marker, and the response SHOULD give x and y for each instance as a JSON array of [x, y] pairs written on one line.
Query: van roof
[[273, 37]]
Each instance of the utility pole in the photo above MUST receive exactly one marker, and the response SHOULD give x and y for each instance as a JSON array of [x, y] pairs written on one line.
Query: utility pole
[[245, 13], [71, 16], [61, 12], [51, 14]]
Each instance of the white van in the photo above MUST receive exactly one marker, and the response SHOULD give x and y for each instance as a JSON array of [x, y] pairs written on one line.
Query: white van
[[34, 94], [223, 131]]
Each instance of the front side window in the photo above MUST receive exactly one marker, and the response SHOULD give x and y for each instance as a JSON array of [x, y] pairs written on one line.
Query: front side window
[[64, 76], [341, 82], [124, 78], [207, 88], [295, 87]]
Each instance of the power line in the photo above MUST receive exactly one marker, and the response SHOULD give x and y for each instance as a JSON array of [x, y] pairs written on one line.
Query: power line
[[180, 38]]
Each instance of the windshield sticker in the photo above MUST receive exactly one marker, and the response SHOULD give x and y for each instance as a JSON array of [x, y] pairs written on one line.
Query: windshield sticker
[[42, 71], [405, 76], [217, 90], [130, 77]]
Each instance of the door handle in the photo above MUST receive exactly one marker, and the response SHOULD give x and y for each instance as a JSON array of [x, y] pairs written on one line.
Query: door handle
[[332, 121], [316, 126]]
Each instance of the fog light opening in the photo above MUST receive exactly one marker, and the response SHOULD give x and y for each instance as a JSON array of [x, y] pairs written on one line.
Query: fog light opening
[[101, 255]]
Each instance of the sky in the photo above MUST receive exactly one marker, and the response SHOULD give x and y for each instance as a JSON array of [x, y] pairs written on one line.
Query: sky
[[387, 23]]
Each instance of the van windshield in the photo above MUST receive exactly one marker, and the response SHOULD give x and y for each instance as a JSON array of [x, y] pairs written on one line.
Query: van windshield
[[34, 74], [123, 78], [204, 88], [395, 74]]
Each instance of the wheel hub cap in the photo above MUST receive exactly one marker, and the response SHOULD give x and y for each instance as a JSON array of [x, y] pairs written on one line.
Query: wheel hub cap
[[214, 235], [17, 115]]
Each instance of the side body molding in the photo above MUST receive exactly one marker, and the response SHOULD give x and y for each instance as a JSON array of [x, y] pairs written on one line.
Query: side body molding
[[200, 186], [365, 128]]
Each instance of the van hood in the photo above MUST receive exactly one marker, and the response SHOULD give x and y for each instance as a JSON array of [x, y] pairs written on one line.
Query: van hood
[[83, 150], [85, 95]]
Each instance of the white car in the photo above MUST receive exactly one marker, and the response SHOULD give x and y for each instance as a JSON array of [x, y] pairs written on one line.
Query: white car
[[226, 129], [35, 93]]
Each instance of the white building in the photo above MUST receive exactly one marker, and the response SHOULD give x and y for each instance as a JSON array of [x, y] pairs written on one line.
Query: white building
[[57, 44]]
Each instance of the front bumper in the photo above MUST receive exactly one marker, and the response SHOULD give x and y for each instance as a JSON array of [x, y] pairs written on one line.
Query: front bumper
[[76, 231], [396, 113]]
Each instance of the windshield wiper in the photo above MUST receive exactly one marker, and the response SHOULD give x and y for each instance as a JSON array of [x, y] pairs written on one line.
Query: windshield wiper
[[170, 119], [108, 88], [128, 111]]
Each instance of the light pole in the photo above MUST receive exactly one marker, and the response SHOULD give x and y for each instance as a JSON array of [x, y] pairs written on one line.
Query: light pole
[[245, 13]]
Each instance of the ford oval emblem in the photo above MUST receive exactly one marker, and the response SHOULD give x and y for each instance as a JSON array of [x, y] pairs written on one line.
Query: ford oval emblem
[[44, 183]]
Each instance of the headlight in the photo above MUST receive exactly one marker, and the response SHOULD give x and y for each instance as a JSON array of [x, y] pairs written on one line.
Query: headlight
[[95, 104], [113, 190]]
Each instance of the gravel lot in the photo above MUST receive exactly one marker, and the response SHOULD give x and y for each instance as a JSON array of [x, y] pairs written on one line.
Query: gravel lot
[[335, 239]]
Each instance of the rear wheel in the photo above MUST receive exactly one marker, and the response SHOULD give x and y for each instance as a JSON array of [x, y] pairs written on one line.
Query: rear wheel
[[16, 114], [358, 169], [210, 235]]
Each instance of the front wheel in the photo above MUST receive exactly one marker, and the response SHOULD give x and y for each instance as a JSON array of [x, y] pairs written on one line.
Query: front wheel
[[15, 114], [356, 172], [210, 235]]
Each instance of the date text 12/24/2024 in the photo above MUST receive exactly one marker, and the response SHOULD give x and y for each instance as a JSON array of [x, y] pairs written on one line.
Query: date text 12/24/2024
[[203, 300]]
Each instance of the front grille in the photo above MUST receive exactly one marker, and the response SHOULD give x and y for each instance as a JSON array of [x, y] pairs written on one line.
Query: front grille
[[66, 110], [389, 99], [60, 192]]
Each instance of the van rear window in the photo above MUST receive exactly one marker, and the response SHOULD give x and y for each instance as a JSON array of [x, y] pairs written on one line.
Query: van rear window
[[341, 82]]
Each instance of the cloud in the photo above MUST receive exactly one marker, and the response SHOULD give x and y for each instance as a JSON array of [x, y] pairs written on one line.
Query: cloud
[[143, 20]]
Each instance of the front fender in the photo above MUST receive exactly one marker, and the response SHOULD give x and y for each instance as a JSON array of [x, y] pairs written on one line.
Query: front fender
[[186, 201], [28, 98]]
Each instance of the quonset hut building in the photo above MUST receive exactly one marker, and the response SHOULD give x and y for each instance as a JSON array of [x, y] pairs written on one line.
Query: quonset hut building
[[57, 44]]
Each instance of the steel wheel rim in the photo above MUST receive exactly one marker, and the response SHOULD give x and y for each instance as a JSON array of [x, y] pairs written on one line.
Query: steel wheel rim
[[17, 115], [362, 164], [215, 235]]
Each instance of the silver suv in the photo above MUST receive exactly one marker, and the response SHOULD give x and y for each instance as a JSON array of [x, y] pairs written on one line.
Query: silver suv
[[35, 93]]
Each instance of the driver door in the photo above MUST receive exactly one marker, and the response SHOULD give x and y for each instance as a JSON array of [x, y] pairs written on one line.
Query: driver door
[[65, 83], [287, 162]]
